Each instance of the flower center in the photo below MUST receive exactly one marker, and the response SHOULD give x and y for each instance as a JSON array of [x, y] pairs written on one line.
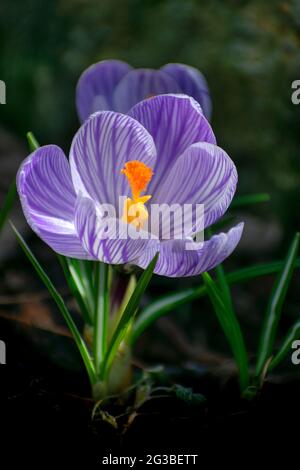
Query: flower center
[[138, 175]]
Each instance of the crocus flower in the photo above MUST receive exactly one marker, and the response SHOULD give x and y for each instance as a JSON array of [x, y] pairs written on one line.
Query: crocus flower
[[164, 149], [116, 86]]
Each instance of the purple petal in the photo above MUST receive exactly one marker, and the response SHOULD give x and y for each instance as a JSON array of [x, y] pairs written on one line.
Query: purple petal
[[48, 199], [96, 85], [106, 238], [176, 261], [203, 174], [192, 83], [99, 151], [175, 122], [140, 84]]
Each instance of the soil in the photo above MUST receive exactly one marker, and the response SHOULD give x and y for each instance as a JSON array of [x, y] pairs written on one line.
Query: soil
[[46, 417]]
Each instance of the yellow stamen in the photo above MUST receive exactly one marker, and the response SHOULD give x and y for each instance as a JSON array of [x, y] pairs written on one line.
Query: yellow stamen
[[138, 175]]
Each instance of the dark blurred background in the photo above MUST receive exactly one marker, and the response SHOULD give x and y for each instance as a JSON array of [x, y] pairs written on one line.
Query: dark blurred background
[[249, 51]]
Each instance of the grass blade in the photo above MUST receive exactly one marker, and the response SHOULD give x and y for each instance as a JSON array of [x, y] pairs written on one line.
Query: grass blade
[[81, 272], [32, 142], [231, 328], [85, 279], [249, 200], [274, 308], [8, 203], [128, 316], [171, 301], [264, 269], [101, 314], [75, 287], [161, 307], [224, 286], [61, 305], [222, 281]]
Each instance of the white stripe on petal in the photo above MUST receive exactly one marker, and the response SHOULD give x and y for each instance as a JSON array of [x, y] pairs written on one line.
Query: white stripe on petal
[[203, 174], [175, 122], [175, 261], [99, 151], [48, 199], [106, 238]]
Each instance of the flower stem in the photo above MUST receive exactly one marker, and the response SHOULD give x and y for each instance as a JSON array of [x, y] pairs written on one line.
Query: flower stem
[[101, 314]]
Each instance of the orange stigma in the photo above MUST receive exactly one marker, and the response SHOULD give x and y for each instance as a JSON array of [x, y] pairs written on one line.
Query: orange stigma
[[138, 175]]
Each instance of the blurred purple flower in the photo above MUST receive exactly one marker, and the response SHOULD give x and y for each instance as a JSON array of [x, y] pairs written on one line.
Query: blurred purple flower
[[114, 85], [168, 134]]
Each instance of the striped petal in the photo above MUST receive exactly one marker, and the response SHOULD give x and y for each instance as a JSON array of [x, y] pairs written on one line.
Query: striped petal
[[140, 84], [48, 199], [106, 239], [203, 174], [96, 86], [175, 122], [100, 149], [176, 261], [192, 83]]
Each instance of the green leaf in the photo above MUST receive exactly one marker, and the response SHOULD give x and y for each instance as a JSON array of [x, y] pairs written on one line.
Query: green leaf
[[75, 286], [81, 272], [127, 317], [32, 142], [101, 313], [224, 286], [8, 204], [274, 308], [231, 328], [170, 302], [285, 348], [249, 200], [61, 305], [161, 307], [84, 269], [223, 282], [131, 285], [244, 274]]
